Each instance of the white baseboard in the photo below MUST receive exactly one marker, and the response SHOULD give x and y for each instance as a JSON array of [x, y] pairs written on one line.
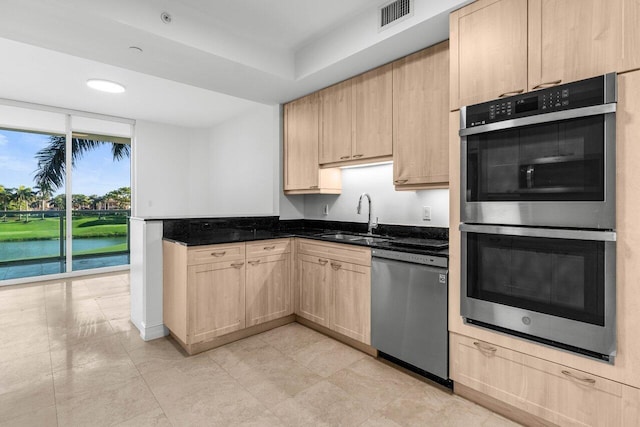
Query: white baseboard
[[153, 332]]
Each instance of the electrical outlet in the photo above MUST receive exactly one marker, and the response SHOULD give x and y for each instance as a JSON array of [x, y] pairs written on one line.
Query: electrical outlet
[[426, 213], [325, 210]]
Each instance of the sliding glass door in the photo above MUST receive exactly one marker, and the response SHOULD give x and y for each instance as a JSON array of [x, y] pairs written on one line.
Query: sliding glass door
[[101, 201], [32, 217]]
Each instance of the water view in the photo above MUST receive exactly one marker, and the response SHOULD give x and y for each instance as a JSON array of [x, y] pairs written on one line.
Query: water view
[[12, 251]]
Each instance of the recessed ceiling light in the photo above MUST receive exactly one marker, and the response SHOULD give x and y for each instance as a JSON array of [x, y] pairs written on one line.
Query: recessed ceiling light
[[105, 86]]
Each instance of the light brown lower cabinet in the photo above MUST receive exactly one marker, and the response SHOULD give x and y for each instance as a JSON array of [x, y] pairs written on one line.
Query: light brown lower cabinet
[[314, 290], [552, 392], [351, 302], [215, 297], [268, 288], [334, 287], [211, 292]]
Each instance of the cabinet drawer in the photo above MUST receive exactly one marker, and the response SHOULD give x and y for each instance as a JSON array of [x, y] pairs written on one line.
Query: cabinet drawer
[[554, 392], [336, 251], [268, 247], [215, 253]]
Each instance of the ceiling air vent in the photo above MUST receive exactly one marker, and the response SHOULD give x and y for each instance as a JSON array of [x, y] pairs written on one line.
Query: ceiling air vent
[[394, 12]]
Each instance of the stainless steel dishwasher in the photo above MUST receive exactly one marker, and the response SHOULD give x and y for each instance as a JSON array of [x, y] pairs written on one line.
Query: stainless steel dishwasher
[[409, 310]]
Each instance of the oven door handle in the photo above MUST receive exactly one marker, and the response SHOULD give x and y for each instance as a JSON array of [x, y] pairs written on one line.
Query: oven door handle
[[594, 110], [552, 233]]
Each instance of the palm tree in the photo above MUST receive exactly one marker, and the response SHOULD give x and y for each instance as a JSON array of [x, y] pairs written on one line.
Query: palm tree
[[121, 197], [23, 195], [59, 201], [79, 201], [6, 195], [43, 190], [94, 199], [51, 159]]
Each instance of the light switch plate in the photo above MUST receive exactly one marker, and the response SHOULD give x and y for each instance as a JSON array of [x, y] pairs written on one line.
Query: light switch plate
[[426, 213]]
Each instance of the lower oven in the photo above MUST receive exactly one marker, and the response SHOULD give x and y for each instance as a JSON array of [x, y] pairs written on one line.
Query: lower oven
[[554, 286]]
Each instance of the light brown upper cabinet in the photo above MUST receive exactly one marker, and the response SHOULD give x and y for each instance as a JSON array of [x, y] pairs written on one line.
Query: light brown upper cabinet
[[420, 119], [302, 174], [573, 39], [356, 121], [336, 123], [488, 51], [373, 106], [503, 47]]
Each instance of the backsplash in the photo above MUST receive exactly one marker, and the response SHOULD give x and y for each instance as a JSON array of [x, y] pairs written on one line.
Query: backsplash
[[388, 205]]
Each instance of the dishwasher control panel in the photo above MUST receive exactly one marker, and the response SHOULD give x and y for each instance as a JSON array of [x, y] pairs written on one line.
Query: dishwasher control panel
[[435, 261]]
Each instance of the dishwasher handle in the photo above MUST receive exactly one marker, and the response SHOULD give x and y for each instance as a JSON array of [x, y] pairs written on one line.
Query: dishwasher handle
[[411, 258]]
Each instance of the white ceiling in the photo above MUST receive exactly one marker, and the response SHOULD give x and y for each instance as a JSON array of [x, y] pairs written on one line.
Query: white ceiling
[[214, 60]]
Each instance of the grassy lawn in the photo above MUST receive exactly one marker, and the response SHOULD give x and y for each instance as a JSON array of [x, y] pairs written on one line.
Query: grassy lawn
[[115, 248], [49, 228]]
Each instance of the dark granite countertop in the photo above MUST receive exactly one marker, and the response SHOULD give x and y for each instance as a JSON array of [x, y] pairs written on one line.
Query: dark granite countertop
[[419, 240]]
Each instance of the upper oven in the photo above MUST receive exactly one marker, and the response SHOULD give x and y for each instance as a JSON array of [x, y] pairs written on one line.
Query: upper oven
[[545, 158]]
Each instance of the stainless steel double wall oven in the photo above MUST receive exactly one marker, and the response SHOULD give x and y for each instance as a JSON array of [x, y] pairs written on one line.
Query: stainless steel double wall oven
[[538, 216]]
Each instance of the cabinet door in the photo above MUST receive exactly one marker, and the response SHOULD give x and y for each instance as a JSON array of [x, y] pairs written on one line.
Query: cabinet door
[[314, 293], [301, 143], [268, 294], [351, 302], [488, 51], [335, 127], [216, 299], [631, 34], [373, 107], [553, 392], [420, 118], [573, 39]]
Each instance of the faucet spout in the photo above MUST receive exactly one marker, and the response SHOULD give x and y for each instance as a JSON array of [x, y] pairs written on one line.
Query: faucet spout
[[370, 226]]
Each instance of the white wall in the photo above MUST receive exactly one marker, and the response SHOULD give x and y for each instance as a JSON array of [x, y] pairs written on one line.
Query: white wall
[[390, 206], [232, 169], [167, 174], [243, 162]]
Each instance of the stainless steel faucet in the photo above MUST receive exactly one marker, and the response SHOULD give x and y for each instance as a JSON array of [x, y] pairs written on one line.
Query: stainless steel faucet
[[370, 226]]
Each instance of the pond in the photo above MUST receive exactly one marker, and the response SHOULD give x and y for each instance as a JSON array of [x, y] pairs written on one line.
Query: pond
[[11, 251]]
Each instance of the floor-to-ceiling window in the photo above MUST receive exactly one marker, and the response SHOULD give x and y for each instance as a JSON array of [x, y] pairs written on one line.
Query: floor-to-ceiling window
[[65, 198], [32, 217], [101, 201]]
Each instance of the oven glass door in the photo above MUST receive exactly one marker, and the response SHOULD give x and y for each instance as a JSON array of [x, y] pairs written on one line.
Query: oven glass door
[[555, 286], [559, 277], [558, 161]]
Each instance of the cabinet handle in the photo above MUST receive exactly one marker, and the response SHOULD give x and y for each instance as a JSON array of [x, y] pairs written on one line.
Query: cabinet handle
[[269, 248], [345, 157], [513, 92], [257, 261], [577, 378], [237, 265], [336, 266], [323, 261], [218, 254], [313, 186], [547, 84], [355, 156], [400, 181], [484, 348]]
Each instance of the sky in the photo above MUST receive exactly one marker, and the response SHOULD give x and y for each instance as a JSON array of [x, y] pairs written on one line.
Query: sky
[[95, 173]]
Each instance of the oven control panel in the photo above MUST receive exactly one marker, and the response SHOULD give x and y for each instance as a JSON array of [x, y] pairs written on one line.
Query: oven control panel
[[578, 94]]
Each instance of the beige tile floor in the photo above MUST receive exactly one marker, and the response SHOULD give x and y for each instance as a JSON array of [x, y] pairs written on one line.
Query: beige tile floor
[[70, 357]]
